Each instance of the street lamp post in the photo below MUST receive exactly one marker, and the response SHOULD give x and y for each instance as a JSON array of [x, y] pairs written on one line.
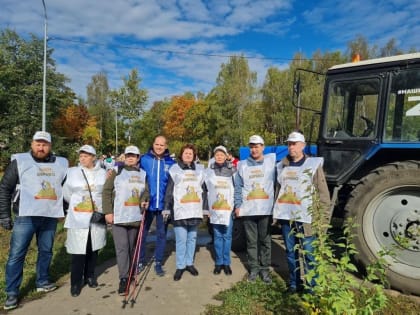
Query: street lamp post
[[44, 82], [116, 131]]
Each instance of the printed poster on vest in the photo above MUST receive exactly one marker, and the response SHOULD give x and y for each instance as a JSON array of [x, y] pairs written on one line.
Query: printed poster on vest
[[220, 198], [258, 189], [187, 193]]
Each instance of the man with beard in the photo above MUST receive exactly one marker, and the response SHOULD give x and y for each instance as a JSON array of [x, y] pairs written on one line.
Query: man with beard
[[32, 183]]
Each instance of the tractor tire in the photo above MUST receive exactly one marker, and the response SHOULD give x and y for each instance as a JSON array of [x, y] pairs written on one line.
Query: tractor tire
[[386, 208], [238, 236]]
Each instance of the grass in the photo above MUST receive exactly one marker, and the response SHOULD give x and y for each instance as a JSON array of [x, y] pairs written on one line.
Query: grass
[[257, 298], [243, 298], [60, 265]]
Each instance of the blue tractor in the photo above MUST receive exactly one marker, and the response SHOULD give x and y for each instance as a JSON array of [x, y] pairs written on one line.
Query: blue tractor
[[369, 137]]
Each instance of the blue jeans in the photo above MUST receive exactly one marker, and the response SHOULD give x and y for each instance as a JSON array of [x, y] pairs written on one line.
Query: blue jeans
[[161, 228], [289, 230], [185, 240], [222, 242], [23, 231]]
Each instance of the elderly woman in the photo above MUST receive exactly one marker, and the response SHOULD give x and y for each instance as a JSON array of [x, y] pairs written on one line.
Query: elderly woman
[[83, 192], [125, 193], [185, 198], [219, 183]]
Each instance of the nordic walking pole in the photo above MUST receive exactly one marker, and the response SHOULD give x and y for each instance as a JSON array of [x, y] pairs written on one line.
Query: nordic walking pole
[[134, 262], [136, 291]]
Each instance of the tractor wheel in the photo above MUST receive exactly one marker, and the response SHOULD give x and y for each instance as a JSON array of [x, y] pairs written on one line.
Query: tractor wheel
[[386, 208]]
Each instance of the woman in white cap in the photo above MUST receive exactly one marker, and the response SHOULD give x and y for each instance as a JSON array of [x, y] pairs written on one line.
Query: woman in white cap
[[83, 191], [126, 193], [220, 191]]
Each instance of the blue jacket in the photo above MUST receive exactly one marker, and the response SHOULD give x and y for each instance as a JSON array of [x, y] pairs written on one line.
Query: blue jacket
[[157, 174]]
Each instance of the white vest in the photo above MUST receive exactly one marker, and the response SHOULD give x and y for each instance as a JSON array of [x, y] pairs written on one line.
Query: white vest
[[40, 186], [258, 189], [295, 196], [220, 197], [80, 205], [129, 186], [187, 192]]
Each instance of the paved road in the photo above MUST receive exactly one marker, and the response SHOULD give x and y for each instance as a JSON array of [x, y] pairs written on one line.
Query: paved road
[[158, 295]]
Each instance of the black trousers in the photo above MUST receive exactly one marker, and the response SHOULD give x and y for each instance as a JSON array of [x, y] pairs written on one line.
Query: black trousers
[[83, 266]]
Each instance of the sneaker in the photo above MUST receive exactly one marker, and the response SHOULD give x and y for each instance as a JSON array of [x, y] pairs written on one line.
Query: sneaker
[[265, 276], [11, 302], [122, 286], [48, 287], [252, 277], [159, 270]]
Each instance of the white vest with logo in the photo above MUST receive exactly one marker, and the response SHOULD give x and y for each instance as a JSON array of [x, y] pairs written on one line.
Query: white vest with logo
[[188, 201], [40, 186], [129, 186], [220, 197], [258, 189], [80, 204], [295, 195]]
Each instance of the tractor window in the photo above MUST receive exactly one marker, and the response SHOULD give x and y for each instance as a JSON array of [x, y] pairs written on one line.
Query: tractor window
[[403, 114], [352, 107]]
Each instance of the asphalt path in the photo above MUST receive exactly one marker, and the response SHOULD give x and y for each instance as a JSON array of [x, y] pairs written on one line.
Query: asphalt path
[[156, 295]]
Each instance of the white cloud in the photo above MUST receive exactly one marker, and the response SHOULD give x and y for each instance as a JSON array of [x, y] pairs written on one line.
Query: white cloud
[[378, 21], [201, 28]]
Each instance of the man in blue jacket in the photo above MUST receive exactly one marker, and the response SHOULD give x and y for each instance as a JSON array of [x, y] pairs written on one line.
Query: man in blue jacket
[[156, 164]]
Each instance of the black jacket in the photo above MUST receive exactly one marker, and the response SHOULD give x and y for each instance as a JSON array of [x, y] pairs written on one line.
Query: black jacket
[[9, 187]]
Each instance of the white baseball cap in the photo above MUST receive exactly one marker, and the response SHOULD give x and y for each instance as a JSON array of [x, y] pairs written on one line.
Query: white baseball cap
[[220, 148], [132, 149], [296, 137], [42, 135], [87, 149], [255, 139]]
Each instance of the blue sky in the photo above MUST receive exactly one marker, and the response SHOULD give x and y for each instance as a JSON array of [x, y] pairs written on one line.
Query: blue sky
[[178, 46]]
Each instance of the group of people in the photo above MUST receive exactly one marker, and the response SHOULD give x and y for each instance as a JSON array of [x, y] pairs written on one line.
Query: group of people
[[267, 190], [154, 187]]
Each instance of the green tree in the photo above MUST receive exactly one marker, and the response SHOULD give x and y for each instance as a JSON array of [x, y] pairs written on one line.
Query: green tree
[[150, 125], [99, 107], [276, 103], [21, 78], [235, 90], [128, 102], [390, 49], [361, 47], [198, 128]]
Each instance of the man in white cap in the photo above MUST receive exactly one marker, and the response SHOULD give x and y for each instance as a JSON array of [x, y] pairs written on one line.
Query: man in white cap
[[254, 196], [32, 184], [296, 175]]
